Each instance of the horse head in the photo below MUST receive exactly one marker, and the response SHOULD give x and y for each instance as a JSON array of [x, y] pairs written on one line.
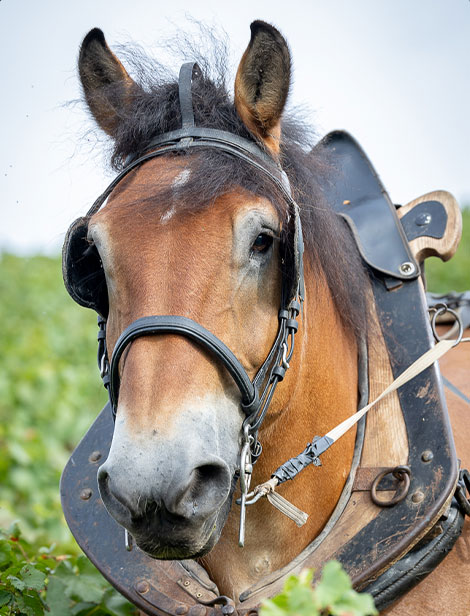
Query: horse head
[[203, 235]]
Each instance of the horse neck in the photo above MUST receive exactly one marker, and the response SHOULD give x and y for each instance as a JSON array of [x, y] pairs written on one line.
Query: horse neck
[[319, 391]]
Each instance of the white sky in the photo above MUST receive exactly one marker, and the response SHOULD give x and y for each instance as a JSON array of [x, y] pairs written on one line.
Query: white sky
[[394, 73]]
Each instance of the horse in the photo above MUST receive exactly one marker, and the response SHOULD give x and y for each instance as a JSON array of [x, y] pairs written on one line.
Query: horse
[[204, 235]]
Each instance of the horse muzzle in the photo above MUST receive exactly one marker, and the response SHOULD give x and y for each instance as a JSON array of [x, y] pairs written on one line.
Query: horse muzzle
[[175, 513]]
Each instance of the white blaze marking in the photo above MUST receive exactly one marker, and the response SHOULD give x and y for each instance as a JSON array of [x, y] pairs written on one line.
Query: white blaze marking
[[180, 180]]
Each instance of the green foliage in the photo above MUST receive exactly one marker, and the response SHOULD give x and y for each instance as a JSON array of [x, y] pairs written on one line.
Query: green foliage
[[34, 582], [332, 595], [455, 274], [49, 392]]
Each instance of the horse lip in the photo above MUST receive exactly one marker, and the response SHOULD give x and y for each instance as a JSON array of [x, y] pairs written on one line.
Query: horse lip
[[182, 546]]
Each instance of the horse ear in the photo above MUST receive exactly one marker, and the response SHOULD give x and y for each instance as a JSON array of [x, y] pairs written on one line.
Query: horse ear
[[106, 83], [262, 84]]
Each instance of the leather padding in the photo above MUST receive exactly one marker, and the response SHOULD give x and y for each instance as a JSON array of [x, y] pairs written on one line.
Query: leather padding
[[419, 562]]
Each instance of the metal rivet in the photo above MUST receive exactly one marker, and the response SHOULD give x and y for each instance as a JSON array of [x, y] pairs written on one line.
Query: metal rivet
[[199, 595], [95, 456], [417, 497], [186, 583], [142, 586], [407, 268], [181, 609], [86, 493], [427, 455], [423, 219]]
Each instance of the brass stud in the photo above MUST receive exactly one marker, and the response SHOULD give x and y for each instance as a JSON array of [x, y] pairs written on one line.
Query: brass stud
[[417, 497], [427, 455], [142, 586], [86, 493], [95, 456], [407, 268]]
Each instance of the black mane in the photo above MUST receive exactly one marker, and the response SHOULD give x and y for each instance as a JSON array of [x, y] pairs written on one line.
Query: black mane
[[154, 110]]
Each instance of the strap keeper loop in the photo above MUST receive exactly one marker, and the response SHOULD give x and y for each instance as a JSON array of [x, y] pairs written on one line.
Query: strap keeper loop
[[292, 324], [279, 372], [294, 306], [251, 408]]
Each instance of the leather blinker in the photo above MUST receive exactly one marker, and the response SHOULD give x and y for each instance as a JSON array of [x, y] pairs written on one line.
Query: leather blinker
[[82, 269]]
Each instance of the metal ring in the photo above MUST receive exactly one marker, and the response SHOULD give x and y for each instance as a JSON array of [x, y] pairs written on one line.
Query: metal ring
[[402, 473], [439, 309]]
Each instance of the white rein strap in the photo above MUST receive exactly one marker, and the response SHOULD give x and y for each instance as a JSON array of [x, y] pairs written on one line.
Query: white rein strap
[[418, 366], [268, 488]]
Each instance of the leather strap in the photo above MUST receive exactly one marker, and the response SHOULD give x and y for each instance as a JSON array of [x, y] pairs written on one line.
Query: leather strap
[[198, 137], [183, 326], [184, 89]]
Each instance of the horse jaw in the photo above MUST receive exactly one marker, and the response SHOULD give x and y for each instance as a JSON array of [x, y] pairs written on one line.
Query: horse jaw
[[303, 407]]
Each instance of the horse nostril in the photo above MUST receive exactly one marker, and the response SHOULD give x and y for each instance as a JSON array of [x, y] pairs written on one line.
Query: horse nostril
[[102, 473], [211, 483], [103, 482], [210, 473], [115, 506]]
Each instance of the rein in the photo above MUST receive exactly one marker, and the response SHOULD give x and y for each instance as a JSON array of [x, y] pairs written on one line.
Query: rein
[[310, 455]]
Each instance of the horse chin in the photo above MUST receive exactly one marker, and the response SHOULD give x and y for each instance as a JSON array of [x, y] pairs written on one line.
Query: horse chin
[[181, 550], [186, 542]]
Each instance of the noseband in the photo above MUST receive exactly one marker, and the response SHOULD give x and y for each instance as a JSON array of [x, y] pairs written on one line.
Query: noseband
[[256, 394]]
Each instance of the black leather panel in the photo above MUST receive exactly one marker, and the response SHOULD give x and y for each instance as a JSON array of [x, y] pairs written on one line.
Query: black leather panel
[[354, 190], [425, 219]]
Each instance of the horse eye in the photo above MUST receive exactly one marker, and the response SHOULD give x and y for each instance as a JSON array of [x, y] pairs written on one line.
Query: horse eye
[[262, 243]]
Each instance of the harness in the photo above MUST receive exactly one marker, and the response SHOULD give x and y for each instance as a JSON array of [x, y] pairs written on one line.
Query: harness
[[160, 587]]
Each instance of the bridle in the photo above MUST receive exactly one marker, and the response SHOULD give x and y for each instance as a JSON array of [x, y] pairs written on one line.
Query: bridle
[[435, 476], [256, 394]]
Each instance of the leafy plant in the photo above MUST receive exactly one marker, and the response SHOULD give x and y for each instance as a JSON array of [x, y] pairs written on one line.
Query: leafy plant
[[333, 595], [37, 582]]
